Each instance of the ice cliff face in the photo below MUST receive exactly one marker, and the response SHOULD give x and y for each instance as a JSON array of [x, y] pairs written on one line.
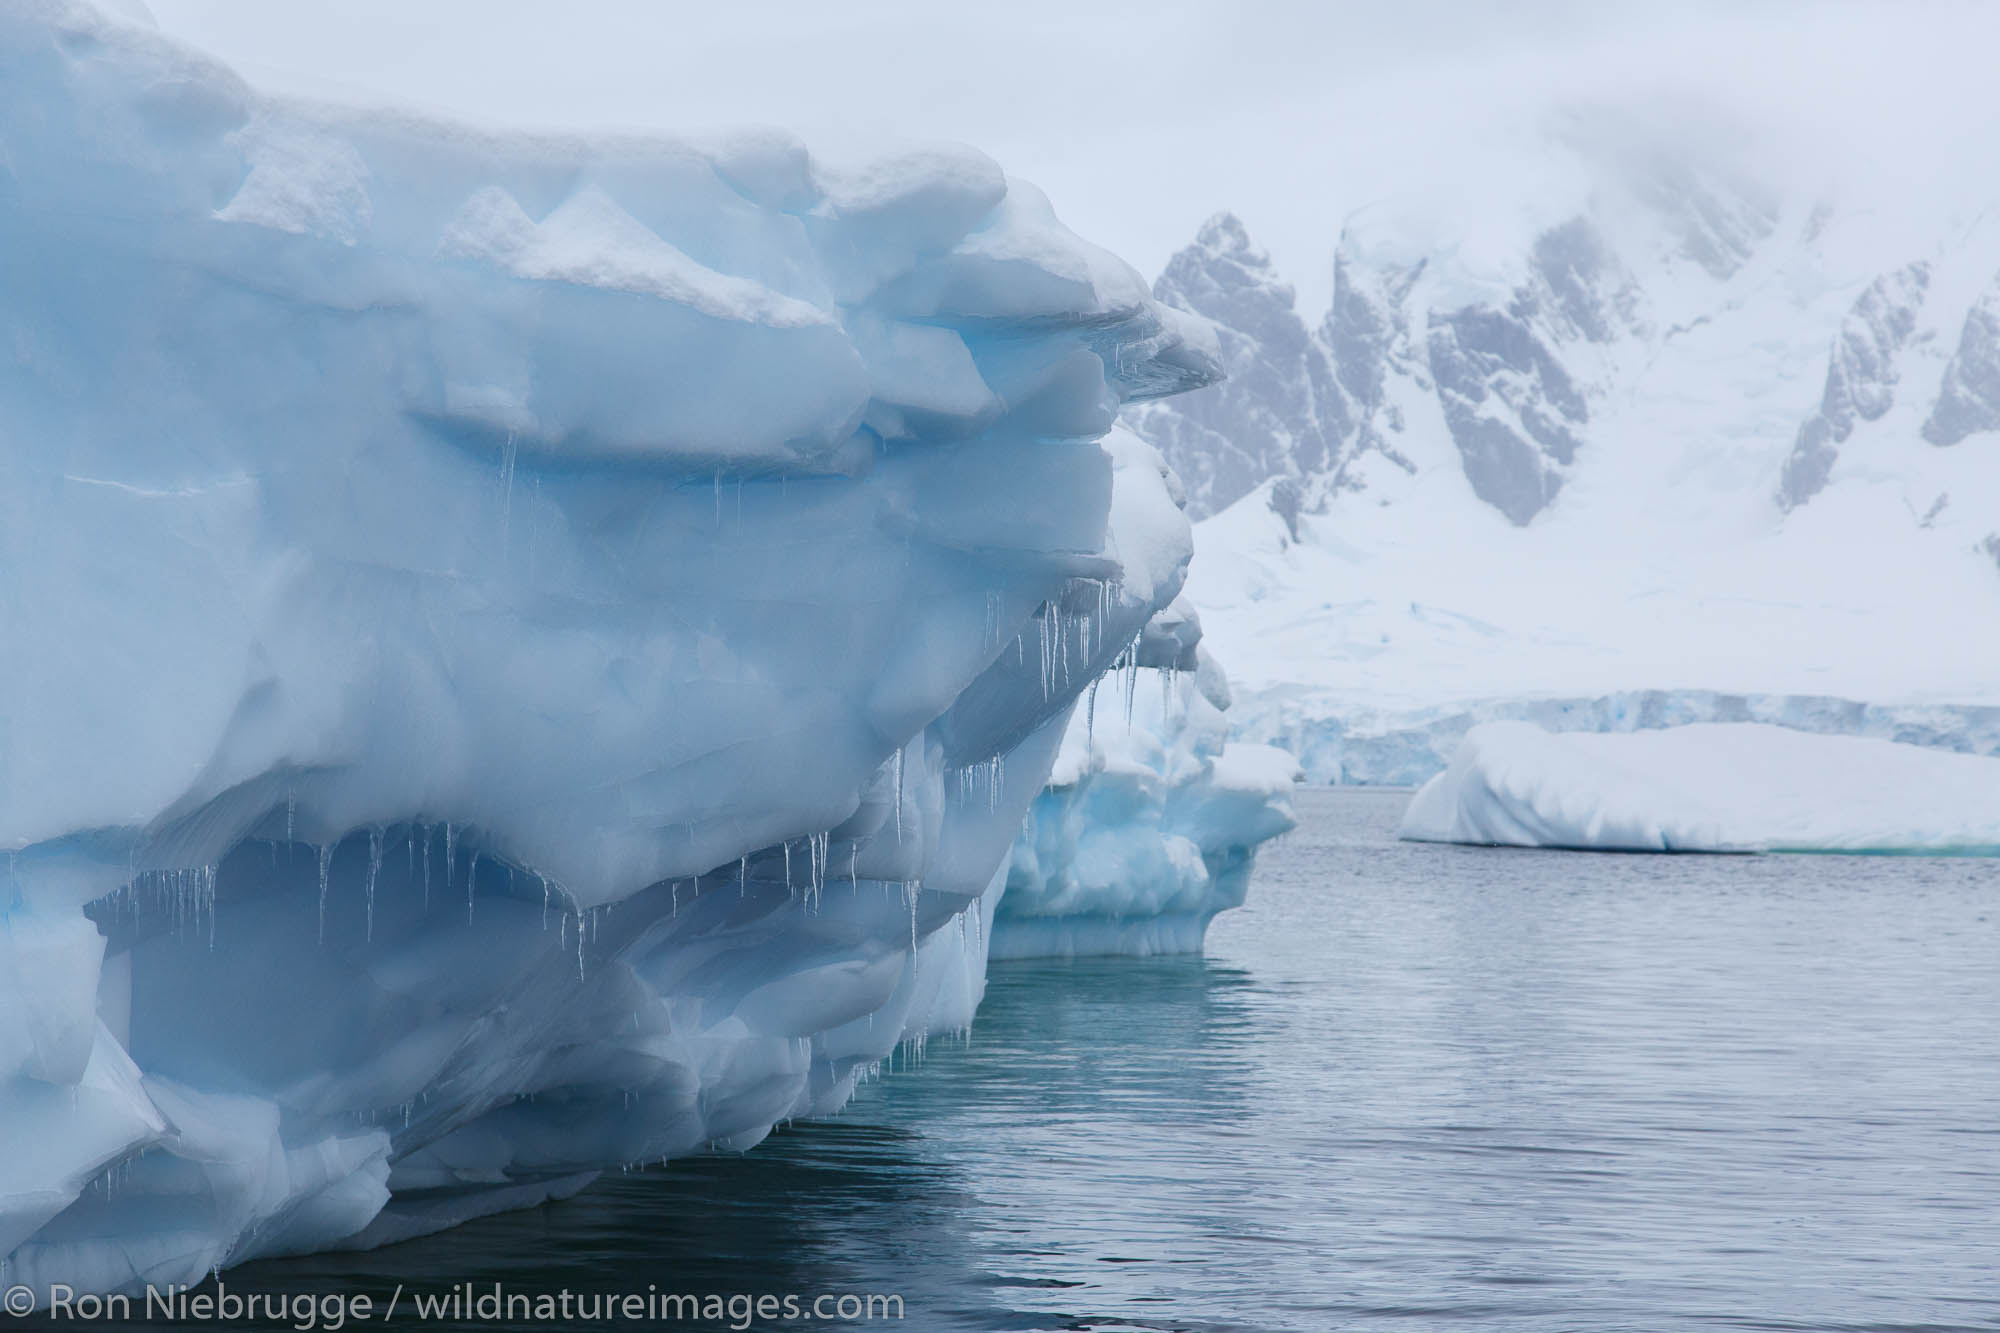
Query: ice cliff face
[[520, 654]]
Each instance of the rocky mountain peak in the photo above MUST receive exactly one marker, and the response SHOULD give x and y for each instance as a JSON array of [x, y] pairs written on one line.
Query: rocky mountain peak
[[1280, 412]]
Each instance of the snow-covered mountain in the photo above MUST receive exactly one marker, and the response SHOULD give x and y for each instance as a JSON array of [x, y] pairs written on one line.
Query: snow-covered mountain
[[1646, 421]]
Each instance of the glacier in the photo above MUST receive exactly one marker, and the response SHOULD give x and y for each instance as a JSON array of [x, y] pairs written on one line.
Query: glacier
[[1339, 739], [521, 653], [1152, 817], [1708, 787]]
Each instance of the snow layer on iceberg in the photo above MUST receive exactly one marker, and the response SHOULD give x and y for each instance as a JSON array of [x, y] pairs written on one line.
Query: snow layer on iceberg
[[1151, 818], [1707, 788], [520, 654]]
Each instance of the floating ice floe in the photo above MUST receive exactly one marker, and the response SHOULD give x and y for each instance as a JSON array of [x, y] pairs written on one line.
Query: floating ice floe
[[1710, 787]]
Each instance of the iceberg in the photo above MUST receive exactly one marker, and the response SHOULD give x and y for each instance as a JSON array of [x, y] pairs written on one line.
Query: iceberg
[[1152, 816], [521, 654], [1346, 738], [1708, 787]]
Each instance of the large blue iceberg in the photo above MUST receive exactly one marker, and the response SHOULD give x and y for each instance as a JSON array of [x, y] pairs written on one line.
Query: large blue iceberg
[[517, 655]]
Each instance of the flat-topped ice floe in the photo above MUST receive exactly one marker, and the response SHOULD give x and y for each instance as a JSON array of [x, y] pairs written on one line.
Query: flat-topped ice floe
[[1732, 787]]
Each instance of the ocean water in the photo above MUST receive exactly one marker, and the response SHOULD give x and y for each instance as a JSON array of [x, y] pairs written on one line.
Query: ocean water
[[1409, 1087]]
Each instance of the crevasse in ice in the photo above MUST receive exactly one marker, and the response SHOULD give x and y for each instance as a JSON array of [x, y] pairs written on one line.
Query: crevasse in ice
[[517, 655]]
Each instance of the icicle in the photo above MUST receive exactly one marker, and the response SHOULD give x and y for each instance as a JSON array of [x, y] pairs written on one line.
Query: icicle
[[1048, 650], [208, 877], [471, 884], [821, 848], [1090, 721], [1062, 646], [374, 870], [899, 798], [743, 876], [1083, 632], [427, 869], [450, 852], [1132, 677], [789, 890], [965, 951], [545, 900], [1054, 633], [325, 867]]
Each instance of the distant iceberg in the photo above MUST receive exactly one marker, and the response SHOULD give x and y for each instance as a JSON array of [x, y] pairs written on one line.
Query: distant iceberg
[[517, 654], [1712, 787], [1152, 818]]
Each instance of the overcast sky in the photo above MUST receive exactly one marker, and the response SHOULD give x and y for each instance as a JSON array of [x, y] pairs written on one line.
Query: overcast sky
[[1142, 119]]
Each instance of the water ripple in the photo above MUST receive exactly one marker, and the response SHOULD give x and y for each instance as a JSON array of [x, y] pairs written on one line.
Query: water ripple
[[1410, 1088]]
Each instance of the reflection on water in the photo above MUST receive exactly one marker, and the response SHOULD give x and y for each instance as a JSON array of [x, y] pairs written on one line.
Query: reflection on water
[[1410, 1087]]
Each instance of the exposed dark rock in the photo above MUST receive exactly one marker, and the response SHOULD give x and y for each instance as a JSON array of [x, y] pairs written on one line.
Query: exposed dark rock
[[1969, 398], [1860, 378]]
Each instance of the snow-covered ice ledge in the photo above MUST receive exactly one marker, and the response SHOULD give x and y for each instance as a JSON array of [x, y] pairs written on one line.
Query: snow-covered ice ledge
[[1711, 787], [517, 655]]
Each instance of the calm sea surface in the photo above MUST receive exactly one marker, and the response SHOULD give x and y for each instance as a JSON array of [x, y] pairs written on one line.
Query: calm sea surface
[[1408, 1088]]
